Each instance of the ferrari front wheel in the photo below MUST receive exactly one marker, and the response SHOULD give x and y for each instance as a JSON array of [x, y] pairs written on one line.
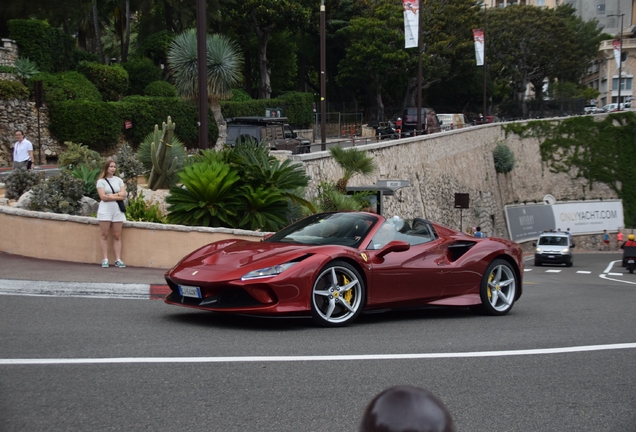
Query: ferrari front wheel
[[498, 288], [337, 296]]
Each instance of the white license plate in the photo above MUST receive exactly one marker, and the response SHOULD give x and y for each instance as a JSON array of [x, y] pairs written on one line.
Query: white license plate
[[190, 291], [550, 256]]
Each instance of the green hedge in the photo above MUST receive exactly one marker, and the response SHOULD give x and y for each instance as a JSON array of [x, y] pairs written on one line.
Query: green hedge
[[160, 88], [110, 80], [64, 86], [155, 46], [13, 90], [97, 125], [141, 72], [49, 47]]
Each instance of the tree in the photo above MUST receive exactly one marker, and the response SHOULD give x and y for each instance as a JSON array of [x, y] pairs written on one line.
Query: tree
[[352, 161], [224, 63]]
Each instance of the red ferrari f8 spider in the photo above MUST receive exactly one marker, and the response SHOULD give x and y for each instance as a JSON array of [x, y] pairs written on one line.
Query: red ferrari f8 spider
[[335, 265]]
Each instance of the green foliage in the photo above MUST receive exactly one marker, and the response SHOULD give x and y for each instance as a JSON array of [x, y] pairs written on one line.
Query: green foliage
[[7, 69], [176, 151], [20, 181], [96, 123], [138, 210], [110, 80], [84, 56], [353, 162], [59, 194], [164, 166], [49, 47], [596, 150], [66, 86], [146, 112], [10, 89], [129, 168], [142, 72], [296, 106], [25, 68], [504, 158], [160, 89], [240, 95], [88, 176], [208, 196], [78, 154], [241, 187], [155, 46]]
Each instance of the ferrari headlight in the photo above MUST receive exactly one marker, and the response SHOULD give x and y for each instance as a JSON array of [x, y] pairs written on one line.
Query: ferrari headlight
[[268, 271]]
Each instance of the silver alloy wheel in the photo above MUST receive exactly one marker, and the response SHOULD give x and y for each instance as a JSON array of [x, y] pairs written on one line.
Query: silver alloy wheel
[[337, 295], [502, 287]]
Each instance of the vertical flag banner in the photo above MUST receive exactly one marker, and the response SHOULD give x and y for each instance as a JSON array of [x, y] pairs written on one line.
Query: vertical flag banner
[[617, 44], [411, 22], [478, 35]]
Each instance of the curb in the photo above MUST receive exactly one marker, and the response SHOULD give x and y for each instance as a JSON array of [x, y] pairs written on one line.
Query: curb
[[83, 289]]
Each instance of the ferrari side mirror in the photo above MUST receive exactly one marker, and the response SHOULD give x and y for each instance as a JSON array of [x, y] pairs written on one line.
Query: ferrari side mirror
[[393, 246]]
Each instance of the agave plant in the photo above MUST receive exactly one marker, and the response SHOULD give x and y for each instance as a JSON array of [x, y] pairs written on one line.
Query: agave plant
[[208, 196], [88, 176], [25, 68]]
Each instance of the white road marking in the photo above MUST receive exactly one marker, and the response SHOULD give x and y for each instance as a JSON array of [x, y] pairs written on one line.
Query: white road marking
[[74, 289], [276, 359], [527, 270], [584, 272], [606, 273], [553, 271], [615, 274]]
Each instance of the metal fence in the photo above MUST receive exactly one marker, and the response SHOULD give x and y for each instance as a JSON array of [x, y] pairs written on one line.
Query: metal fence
[[339, 125]]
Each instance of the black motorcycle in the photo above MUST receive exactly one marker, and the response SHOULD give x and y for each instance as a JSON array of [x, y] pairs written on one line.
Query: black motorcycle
[[386, 131]]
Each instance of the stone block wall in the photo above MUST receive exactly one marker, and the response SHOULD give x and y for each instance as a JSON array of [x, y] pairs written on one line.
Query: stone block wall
[[8, 52], [459, 161], [23, 115]]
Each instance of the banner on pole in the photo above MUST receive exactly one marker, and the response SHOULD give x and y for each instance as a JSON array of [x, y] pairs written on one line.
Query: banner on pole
[[478, 35], [411, 22], [617, 44]]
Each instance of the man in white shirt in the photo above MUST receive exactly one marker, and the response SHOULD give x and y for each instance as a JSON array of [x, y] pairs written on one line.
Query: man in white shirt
[[22, 152]]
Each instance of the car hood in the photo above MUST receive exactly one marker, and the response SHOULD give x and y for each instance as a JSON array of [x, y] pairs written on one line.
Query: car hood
[[551, 248], [225, 256]]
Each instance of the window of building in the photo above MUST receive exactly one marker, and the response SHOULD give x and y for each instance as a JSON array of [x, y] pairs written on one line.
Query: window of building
[[603, 85], [626, 84], [600, 9], [540, 2]]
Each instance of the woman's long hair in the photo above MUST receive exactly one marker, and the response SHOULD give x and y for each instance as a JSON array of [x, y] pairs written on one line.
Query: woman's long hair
[[104, 171]]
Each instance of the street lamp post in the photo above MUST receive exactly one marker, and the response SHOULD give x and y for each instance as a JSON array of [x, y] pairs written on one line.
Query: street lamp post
[[620, 56]]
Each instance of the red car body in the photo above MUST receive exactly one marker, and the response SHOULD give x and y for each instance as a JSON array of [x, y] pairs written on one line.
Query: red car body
[[299, 270]]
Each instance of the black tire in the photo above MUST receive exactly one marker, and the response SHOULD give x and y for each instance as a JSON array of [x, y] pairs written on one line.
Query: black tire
[[337, 295], [537, 262], [569, 263], [498, 288]]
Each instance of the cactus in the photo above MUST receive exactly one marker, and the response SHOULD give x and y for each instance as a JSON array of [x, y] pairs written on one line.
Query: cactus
[[162, 167]]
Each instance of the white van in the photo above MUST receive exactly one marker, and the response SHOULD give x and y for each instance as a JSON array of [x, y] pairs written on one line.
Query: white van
[[451, 121]]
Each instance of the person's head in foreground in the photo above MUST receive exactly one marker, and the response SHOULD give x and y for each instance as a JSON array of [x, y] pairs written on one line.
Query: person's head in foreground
[[406, 409]]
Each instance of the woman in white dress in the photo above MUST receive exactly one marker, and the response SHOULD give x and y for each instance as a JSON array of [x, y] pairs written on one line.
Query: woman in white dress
[[111, 189]]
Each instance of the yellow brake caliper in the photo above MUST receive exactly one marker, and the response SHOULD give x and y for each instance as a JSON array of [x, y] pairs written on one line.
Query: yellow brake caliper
[[492, 276], [348, 294]]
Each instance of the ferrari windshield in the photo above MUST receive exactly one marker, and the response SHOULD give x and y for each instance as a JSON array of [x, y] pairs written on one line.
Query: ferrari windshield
[[346, 229]]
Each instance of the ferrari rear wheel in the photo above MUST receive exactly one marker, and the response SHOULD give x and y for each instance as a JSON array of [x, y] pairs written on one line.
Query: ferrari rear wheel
[[337, 296], [498, 288]]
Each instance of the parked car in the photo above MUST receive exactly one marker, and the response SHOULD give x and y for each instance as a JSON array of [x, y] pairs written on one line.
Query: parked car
[[451, 121], [554, 248], [333, 266], [592, 109], [430, 122], [612, 107], [273, 132]]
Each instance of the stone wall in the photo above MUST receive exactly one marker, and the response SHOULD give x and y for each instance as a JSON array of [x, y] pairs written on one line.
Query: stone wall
[[8, 52], [459, 161], [23, 115]]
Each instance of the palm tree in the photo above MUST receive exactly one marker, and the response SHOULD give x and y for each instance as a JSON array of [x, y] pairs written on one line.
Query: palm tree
[[224, 63], [352, 161]]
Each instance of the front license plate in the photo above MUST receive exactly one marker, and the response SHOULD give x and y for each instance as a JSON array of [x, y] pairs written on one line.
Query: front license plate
[[550, 256], [189, 291]]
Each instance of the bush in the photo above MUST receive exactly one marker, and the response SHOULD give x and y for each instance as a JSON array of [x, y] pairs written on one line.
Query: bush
[[25, 68], [160, 89], [504, 159], [78, 154], [88, 176], [141, 72], [111, 81], [66, 86], [155, 46], [97, 124], [84, 56], [20, 181], [13, 90], [138, 210], [129, 168], [49, 47], [59, 194], [7, 69], [240, 95]]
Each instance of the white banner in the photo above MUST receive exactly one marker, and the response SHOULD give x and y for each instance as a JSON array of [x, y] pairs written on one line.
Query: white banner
[[478, 35], [526, 222], [617, 44], [411, 22]]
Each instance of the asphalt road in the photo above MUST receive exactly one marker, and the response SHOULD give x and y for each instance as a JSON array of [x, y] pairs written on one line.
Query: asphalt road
[[112, 364]]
